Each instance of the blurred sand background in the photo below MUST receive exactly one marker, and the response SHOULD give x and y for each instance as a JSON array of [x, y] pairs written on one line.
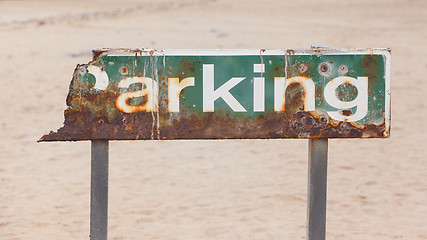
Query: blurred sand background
[[377, 189]]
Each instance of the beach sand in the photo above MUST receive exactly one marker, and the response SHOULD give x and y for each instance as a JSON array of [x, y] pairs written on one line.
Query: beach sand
[[251, 189]]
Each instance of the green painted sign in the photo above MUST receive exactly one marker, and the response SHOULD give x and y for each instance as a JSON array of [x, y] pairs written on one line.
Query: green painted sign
[[216, 94]]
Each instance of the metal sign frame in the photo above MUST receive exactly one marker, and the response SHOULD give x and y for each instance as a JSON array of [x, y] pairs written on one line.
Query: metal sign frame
[[141, 94]]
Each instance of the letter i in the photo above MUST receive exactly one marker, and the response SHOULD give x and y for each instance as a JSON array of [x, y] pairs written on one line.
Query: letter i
[[259, 89]]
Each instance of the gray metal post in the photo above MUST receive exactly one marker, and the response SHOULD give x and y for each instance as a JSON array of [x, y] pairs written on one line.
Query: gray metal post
[[99, 190], [316, 189]]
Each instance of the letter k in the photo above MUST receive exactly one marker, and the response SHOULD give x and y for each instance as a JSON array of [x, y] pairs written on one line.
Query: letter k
[[210, 94]]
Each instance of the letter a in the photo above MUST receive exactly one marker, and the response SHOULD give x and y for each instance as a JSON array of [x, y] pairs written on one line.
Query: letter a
[[150, 91]]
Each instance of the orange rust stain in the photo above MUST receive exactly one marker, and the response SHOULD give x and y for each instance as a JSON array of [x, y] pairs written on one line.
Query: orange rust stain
[[122, 105], [347, 112], [124, 70], [296, 99]]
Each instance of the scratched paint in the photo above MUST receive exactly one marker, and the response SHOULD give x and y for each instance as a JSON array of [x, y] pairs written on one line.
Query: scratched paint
[[126, 94]]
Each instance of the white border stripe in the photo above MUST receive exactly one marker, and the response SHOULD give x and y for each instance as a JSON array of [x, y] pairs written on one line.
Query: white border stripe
[[387, 92], [237, 52]]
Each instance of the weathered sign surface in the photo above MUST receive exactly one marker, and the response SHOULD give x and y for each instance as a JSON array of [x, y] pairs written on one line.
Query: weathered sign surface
[[126, 94]]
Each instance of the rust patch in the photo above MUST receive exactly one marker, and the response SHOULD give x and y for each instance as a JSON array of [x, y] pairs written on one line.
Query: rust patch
[[123, 70], [294, 96], [347, 112], [302, 68], [324, 69], [138, 126], [372, 64]]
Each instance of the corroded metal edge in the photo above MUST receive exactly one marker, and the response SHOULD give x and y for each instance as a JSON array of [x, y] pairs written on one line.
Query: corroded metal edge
[[304, 125]]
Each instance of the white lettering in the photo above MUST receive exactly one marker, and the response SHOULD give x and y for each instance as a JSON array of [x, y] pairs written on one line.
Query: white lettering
[[101, 77], [361, 101], [174, 89], [149, 89], [259, 89], [280, 85], [210, 94]]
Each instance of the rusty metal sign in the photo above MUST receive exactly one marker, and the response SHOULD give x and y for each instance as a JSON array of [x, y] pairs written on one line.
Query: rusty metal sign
[[132, 94]]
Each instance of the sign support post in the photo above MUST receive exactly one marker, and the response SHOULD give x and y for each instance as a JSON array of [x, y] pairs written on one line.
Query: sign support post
[[316, 188], [99, 190]]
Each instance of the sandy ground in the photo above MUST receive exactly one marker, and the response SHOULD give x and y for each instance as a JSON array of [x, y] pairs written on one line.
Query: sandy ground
[[377, 188]]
